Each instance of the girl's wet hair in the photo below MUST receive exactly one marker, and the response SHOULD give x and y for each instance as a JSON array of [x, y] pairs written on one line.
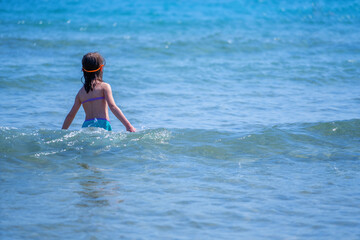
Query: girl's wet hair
[[90, 62]]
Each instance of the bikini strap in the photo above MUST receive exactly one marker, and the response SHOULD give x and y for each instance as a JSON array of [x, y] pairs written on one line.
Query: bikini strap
[[93, 99]]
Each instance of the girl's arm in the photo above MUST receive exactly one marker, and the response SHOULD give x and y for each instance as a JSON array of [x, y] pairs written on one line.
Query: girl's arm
[[116, 110], [70, 117]]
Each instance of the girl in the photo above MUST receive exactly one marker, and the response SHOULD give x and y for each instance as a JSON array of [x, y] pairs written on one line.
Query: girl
[[95, 96]]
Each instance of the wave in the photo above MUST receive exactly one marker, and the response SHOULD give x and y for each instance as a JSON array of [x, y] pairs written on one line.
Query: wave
[[337, 140]]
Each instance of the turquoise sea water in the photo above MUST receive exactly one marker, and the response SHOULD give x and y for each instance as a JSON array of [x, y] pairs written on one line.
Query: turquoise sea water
[[247, 115]]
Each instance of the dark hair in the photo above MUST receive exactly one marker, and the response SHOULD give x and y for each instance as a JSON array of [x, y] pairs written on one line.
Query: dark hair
[[90, 62]]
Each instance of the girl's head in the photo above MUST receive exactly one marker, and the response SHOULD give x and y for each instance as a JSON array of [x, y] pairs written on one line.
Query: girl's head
[[92, 64]]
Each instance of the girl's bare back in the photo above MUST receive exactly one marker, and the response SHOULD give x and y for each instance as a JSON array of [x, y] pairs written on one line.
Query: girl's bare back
[[94, 102]]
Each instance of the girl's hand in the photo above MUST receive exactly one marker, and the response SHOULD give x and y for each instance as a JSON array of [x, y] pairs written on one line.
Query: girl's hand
[[131, 129]]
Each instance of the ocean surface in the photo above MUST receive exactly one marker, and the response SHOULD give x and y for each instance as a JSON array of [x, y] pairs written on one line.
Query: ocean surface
[[248, 119]]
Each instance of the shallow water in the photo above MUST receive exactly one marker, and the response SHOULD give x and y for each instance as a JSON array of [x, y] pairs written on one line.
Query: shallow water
[[248, 119]]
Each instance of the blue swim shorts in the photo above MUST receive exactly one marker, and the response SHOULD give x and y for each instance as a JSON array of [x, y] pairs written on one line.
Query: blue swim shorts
[[97, 122]]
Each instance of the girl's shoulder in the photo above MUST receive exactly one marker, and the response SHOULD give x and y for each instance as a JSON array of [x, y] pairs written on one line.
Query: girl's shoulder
[[105, 85], [81, 93]]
